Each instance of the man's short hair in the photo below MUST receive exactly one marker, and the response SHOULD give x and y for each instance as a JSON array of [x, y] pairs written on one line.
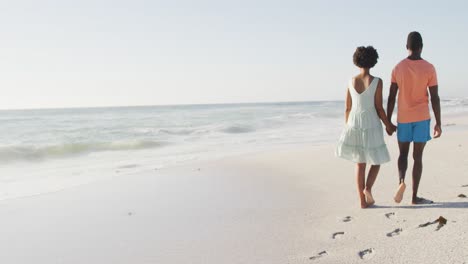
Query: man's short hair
[[415, 41]]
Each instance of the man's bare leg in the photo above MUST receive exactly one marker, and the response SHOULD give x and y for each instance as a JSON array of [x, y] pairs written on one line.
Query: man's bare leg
[[418, 150], [402, 167]]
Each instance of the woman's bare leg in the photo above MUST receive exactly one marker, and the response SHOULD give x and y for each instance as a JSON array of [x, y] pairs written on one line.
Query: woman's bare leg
[[361, 182], [371, 177]]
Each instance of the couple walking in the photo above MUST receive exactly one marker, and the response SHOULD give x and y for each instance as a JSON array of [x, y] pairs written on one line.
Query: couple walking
[[362, 139]]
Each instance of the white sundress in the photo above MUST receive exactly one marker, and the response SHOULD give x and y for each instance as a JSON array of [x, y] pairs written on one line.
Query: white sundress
[[362, 139]]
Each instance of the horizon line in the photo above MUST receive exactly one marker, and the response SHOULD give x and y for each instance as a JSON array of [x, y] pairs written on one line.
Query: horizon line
[[190, 104], [145, 105]]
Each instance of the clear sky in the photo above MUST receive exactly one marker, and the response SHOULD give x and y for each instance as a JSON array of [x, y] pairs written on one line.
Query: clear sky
[[62, 53]]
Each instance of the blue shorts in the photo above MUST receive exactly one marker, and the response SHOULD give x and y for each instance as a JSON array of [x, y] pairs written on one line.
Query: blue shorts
[[419, 132]]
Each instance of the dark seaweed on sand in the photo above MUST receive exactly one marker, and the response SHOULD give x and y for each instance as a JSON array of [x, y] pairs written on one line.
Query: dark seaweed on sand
[[441, 220]]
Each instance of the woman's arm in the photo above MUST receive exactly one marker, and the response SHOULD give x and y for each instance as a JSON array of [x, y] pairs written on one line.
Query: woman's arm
[[349, 104], [380, 110]]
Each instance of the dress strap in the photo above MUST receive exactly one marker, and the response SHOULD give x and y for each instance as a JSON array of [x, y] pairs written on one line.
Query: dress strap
[[351, 86], [374, 84]]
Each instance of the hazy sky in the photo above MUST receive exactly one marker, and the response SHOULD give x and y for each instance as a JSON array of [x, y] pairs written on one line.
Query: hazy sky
[[100, 53]]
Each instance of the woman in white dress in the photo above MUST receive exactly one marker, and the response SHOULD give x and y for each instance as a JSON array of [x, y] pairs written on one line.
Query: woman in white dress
[[362, 139]]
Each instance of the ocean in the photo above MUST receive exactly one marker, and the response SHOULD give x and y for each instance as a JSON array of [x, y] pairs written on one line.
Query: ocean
[[51, 149]]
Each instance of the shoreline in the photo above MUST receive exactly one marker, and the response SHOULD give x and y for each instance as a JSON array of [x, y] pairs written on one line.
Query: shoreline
[[16, 189]]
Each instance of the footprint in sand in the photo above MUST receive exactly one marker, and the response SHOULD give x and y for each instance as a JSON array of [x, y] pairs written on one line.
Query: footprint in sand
[[337, 235], [390, 215], [395, 232], [346, 219], [367, 253], [319, 255]]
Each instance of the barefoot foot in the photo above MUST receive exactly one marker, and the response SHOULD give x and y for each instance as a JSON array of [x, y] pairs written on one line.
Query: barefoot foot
[[364, 204], [400, 191], [369, 199], [420, 200]]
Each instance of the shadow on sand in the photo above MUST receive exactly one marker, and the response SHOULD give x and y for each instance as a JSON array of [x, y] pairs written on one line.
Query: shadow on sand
[[449, 205]]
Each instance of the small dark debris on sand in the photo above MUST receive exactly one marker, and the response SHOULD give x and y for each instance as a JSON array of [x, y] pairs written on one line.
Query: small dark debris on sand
[[319, 255], [441, 220], [462, 195], [130, 213], [465, 185]]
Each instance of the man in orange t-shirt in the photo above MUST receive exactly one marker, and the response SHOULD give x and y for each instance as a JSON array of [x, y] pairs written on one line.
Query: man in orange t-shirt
[[411, 80]]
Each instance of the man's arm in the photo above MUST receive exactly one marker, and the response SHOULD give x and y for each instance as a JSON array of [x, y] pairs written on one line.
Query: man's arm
[[391, 101], [435, 101]]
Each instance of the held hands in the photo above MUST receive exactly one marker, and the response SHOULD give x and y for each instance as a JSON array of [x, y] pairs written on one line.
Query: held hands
[[391, 128], [437, 131]]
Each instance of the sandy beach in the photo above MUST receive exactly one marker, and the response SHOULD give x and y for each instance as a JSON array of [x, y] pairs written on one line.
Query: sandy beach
[[287, 205]]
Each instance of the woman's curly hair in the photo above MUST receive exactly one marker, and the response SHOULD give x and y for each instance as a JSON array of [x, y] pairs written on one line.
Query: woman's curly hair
[[365, 57]]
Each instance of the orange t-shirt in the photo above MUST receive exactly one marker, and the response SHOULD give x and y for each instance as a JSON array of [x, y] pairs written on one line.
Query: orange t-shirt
[[413, 77]]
